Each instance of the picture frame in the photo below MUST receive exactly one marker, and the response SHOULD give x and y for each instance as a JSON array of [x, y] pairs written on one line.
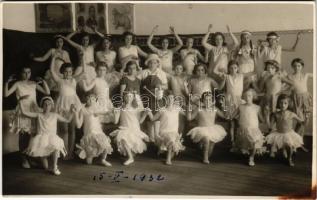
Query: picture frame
[[53, 17], [121, 18]]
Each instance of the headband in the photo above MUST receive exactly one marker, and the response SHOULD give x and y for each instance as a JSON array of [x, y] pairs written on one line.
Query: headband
[[246, 32], [46, 98]]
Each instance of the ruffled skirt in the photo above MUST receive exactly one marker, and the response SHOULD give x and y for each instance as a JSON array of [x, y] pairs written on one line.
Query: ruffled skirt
[[63, 104], [303, 105], [134, 139], [249, 138], [43, 145], [170, 140], [94, 145], [280, 140], [215, 133]]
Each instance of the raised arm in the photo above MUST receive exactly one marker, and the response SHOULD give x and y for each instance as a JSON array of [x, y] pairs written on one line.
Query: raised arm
[[204, 41], [200, 56], [7, 91], [178, 39], [55, 76], [45, 89], [48, 54], [233, 37], [293, 48], [141, 52], [149, 40], [68, 39]]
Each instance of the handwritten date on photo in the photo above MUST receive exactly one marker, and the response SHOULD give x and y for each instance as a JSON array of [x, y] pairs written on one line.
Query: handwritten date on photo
[[119, 176]]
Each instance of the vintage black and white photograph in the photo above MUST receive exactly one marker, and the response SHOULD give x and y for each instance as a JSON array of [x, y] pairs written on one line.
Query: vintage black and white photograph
[[172, 99]]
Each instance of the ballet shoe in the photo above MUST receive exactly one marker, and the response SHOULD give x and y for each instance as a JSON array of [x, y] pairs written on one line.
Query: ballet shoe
[[251, 163], [106, 163], [56, 172], [26, 164], [206, 161], [291, 163], [128, 162]]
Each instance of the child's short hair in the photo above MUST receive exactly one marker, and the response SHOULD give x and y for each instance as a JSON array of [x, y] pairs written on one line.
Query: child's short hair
[[101, 64], [129, 64], [126, 33], [232, 62], [178, 64], [272, 62], [198, 65], [164, 38], [65, 66], [213, 38], [107, 37], [254, 94], [46, 98], [284, 97], [298, 60], [271, 35]]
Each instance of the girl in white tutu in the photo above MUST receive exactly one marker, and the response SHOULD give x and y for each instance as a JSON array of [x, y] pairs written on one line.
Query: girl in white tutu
[[190, 56], [66, 97], [100, 88], [234, 88], [129, 137], [283, 136], [207, 133], [94, 143], [46, 142], [169, 139], [249, 138], [20, 124]]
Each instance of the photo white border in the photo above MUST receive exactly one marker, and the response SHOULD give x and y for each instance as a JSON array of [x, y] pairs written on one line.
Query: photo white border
[[53, 197]]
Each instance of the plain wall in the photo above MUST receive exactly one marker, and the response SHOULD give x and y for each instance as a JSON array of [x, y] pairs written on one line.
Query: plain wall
[[191, 18]]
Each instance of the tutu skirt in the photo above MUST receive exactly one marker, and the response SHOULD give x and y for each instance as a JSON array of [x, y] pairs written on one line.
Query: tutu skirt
[[170, 140], [44, 145], [93, 145], [215, 133], [280, 140], [63, 104], [134, 140], [303, 105], [248, 138]]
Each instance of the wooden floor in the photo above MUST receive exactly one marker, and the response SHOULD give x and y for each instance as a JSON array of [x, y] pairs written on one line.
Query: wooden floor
[[227, 175]]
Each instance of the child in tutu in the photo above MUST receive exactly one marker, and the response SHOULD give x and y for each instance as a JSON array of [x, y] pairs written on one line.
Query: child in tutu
[[190, 56], [207, 133], [129, 137], [66, 97], [169, 139], [100, 88], [284, 137], [302, 99], [234, 88], [46, 142], [94, 143], [22, 125], [249, 138]]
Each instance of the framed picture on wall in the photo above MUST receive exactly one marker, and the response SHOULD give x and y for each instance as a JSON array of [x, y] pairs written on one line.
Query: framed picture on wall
[[121, 18], [90, 16], [53, 17]]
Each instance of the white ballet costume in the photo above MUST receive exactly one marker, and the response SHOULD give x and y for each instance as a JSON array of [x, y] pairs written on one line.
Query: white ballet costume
[[166, 60], [58, 63], [19, 121], [94, 141], [67, 96], [89, 59], [169, 124], [246, 62], [234, 89], [189, 60], [108, 58], [46, 140], [284, 135], [212, 133], [124, 52], [129, 132], [219, 59], [249, 135], [104, 103]]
